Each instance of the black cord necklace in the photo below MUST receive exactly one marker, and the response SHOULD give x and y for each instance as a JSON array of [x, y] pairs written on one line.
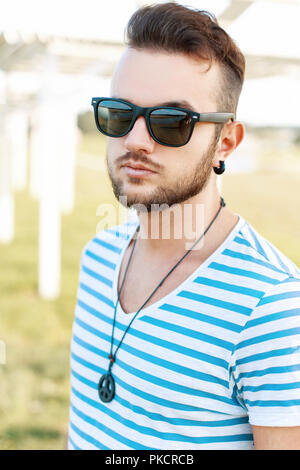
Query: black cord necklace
[[106, 386]]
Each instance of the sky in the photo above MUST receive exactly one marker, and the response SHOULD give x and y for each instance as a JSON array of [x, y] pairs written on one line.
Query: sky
[[266, 27], [269, 28]]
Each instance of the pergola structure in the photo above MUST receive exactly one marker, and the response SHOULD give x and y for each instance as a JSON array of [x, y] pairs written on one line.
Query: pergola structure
[[44, 81]]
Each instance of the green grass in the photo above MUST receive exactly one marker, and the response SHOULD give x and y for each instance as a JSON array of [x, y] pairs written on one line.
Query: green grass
[[35, 381]]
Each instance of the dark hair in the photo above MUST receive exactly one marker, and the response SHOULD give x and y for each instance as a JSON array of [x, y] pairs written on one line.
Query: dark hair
[[172, 27]]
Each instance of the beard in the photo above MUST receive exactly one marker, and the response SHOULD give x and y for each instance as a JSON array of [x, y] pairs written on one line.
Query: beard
[[188, 184]]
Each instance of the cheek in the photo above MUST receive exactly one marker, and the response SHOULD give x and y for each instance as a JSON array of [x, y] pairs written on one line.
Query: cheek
[[115, 150], [178, 162], [113, 144], [186, 158], [202, 136]]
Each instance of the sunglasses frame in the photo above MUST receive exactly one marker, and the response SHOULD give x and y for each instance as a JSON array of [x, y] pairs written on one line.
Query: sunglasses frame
[[140, 111]]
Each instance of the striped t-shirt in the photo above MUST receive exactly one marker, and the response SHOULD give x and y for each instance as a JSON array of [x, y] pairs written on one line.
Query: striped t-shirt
[[197, 367]]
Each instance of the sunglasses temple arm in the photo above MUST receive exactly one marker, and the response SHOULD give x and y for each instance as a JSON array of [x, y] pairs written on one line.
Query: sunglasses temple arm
[[216, 117]]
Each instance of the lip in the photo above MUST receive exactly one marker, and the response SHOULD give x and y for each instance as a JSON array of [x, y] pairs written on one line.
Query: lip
[[137, 170], [138, 166]]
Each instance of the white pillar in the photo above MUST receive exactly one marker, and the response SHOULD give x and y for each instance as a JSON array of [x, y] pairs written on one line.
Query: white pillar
[[50, 119], [17, 128], [6, 194], [34, 155], [67, 148]]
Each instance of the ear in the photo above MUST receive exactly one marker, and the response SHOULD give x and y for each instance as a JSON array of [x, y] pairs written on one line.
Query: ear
[[231, 136]]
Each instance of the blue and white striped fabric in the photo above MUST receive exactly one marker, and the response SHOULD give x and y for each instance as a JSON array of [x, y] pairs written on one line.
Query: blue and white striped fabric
[[199, 366]]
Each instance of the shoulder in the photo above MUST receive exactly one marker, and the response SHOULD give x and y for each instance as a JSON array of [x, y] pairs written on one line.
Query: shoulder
[[275, 278], [279, 276], [250, 246], [250, 268], [278, 309]]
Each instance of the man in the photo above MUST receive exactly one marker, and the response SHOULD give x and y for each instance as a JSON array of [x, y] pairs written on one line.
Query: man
[[201, 353]]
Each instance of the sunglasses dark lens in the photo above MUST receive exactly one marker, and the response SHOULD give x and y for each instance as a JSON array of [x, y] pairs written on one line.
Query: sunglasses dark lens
[[114, 117], [171, 126]]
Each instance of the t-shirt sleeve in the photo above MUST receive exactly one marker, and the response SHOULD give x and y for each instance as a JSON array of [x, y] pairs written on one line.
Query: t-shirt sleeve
[[265, 366]]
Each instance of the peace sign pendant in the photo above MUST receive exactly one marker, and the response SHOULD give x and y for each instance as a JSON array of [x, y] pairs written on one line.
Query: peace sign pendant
[[106, 387]]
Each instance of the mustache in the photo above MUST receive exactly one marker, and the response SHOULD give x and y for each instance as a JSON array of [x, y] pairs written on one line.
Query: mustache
[[137, 157]]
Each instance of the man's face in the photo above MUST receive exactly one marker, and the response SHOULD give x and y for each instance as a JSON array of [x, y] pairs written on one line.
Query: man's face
[[149, 79]]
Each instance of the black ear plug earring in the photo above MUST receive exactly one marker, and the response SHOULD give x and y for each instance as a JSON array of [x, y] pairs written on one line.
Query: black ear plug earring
[[219, 170]]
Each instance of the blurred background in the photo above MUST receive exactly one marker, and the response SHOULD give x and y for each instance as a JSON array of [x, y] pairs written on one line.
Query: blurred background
[[54, 56]]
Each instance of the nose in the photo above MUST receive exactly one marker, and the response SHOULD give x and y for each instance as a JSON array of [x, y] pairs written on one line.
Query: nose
[[139, 138]]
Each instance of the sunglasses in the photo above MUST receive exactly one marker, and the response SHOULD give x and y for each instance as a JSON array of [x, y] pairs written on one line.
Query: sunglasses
[[167, 125]]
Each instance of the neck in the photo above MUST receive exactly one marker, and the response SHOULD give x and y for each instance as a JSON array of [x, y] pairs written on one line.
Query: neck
[[173, 230]]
